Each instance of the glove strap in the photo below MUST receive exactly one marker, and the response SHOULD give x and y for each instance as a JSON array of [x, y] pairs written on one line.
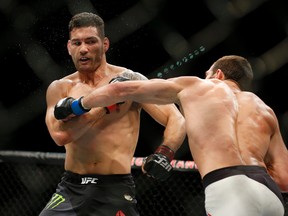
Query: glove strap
[[112, 108], [78, 108], [165, 150]]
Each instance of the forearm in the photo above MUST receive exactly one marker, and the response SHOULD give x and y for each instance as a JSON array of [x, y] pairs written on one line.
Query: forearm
[[158, 165], [111, 93], [64, 132], [101, 97], [175, 132]]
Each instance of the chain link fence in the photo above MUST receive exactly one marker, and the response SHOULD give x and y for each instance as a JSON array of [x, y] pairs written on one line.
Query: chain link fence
[[29, 179]]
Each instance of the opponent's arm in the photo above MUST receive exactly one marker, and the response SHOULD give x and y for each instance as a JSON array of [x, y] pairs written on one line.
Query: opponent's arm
[[157, 165], [276, 159], [156, 91], [69, 107], [124, 76], [70, 129]]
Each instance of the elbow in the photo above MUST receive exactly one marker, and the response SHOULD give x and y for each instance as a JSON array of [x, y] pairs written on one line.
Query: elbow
[[124, 92], [61, 138], [283, 185], [115, 93], [281, 181]]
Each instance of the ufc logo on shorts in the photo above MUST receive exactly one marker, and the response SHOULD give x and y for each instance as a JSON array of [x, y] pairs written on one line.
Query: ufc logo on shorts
[[88, 180], [164, 163]]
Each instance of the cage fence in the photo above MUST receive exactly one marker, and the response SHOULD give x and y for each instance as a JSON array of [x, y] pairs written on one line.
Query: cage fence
[[28, 179]]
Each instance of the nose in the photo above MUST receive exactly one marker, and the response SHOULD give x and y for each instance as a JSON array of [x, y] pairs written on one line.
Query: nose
[[83, 49]]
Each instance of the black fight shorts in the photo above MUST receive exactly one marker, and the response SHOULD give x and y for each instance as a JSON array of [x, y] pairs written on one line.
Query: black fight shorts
[[93, 195]]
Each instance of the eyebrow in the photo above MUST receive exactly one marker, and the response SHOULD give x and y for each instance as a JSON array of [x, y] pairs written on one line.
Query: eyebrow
[[88, 38]]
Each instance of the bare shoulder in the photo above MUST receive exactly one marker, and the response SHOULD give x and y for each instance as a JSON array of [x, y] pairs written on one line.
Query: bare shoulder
[[252, 99], [62, 84], [187, 81], [125, 72], [115, 68], [253, 103]]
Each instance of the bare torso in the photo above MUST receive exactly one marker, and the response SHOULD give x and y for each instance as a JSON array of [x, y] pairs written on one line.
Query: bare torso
[[108, 146], [225, 127], [103, 143]]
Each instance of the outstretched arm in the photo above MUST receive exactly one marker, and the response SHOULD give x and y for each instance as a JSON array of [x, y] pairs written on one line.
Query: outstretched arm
[[157, 91]]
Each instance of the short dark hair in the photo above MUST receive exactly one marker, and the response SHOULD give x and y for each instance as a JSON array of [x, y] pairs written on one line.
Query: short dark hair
[[235, 68], [86, 19]]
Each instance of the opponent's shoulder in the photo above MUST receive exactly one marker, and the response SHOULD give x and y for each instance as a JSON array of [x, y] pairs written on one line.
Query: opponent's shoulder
[[125, 72], [252, 99], [62, 84], [132, 75], [187, 81], [254, 104]]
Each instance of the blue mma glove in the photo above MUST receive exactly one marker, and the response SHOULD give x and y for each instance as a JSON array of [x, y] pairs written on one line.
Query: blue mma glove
[[67, 106]]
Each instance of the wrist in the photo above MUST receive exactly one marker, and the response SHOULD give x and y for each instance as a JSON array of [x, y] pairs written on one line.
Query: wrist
[[78, 108], [82, 105], [165, 150]]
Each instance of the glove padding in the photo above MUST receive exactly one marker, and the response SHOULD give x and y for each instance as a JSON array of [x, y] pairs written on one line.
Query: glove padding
[[158, 164], [115, 107], [68, 106], [118, 79]]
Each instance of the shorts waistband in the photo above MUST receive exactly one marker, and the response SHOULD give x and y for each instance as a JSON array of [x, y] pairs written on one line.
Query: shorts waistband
[[96, 178], [256, 173], [225, 172]]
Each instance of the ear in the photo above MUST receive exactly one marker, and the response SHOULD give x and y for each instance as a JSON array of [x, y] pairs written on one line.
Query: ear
[[69, 46], [106, 44], [220, 75]]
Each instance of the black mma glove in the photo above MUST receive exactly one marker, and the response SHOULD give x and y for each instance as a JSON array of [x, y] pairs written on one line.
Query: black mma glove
[[158, 164], [115, 107], [68, 106], [118, 79]]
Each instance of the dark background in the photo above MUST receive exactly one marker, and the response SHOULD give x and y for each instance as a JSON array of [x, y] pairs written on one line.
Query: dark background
[[159, 38]]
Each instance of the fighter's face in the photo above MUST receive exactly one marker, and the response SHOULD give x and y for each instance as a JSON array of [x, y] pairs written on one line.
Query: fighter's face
[[86, 48]]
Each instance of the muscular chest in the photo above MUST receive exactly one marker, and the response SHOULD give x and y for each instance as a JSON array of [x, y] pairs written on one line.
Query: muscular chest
[[82, 89]]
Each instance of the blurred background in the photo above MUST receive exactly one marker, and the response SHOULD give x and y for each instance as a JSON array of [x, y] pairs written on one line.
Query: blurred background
[[159, 38]]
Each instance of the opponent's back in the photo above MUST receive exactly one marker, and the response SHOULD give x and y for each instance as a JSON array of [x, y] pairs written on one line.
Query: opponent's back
[[255, 126], [259, 137], [210, 108]]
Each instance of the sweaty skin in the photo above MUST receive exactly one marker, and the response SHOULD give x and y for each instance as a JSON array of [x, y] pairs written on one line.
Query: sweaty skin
[[225, 126], [96, 142]]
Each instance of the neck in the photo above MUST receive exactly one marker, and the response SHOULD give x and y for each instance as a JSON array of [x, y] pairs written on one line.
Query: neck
[[233, 85]]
